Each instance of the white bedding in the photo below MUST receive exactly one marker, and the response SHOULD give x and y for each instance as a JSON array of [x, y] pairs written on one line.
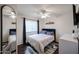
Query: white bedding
[[11, 43], [39, 41]]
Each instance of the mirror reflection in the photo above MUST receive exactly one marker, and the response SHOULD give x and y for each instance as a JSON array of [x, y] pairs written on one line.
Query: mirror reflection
[[8, 30]]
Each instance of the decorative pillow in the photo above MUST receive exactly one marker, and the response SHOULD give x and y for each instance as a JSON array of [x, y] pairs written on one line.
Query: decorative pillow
[[43, 32], [49, 33], [12, 33]]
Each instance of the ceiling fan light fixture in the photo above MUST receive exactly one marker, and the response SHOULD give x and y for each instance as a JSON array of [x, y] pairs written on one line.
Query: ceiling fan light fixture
[[45, 15], [13, 16]]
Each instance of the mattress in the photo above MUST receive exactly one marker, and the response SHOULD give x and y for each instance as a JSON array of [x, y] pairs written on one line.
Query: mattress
[[40, 41]]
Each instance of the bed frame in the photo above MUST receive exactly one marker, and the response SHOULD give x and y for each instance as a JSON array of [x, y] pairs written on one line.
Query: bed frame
[[47, 30], [12, 31], [51, 30]]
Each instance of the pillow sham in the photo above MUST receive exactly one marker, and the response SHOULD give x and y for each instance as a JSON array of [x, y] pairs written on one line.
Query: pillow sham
[[49, 33]]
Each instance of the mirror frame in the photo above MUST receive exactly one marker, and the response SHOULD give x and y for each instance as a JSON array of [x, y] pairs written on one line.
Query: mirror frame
[[2, 24]]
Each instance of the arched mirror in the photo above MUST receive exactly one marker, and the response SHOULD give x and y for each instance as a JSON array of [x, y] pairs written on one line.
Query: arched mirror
[[8, 30]]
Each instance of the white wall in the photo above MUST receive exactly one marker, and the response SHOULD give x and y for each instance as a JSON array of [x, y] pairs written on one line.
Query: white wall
[[19, 30], [62, 24]]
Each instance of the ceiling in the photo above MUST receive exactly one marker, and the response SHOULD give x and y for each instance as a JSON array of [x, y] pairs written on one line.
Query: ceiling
[[33, 10]]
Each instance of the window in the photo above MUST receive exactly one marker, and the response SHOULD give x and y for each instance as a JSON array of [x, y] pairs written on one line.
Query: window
[[31, 25]]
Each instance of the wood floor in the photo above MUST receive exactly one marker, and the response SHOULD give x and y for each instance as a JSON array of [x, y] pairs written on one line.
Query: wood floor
[[22, 49]]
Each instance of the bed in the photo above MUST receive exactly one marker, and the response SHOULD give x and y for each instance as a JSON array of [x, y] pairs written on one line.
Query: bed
[[11, 46], [41, 40]]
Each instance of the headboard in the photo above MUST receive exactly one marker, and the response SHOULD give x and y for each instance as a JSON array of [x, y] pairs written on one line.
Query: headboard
[[51, 30], [12, 31]]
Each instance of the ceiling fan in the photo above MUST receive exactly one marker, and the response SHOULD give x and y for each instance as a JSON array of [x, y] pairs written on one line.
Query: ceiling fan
[[45, 13]]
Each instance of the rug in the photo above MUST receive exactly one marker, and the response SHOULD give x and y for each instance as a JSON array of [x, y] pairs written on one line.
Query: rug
[[51, 48]]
